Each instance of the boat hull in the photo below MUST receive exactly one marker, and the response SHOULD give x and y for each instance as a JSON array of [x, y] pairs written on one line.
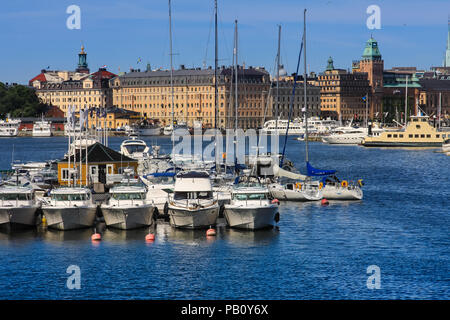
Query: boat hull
[[149, 131], [18, 216], [339, 193], [193, 219], [63, 218], [250, 218], [295, 195], [128, 218], [41, 134], [342, 140], [400, 144]]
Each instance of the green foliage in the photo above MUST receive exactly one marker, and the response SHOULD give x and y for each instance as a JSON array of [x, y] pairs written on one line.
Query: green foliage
[[20, 101]]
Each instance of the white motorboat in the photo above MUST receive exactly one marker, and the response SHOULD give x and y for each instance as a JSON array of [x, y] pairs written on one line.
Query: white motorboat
[[192, 205], [9, 127], [18, 206], [250, 208], [42, 128], [351, 135], [169, 128], [159, 186], [148, 128], [128, 208], [70, 208], [135, 148], [342, 190]]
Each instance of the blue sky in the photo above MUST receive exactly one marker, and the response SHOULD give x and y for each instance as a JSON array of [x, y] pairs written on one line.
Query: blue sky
[[116, 33]]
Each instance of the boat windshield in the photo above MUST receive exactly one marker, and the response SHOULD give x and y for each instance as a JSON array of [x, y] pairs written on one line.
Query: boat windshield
[[70, 197], [193, 195], [15, 196], [250, 196], [128, 196], [135, 148]]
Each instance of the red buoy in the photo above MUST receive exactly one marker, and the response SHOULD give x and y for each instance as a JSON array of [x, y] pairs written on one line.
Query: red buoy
[[150, 237], [210, 232], [325, 202], [96, 237], [276, 201]]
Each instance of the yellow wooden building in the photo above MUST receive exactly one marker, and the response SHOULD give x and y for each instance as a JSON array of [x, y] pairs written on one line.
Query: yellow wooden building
[[105, 166]]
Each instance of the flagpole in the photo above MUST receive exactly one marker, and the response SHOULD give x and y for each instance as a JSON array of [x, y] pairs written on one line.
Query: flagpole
[[86, 135], [81, 113], [69, 120]]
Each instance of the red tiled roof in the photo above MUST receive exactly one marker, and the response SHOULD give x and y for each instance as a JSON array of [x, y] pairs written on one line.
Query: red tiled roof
[[40, 77], [103, 74]]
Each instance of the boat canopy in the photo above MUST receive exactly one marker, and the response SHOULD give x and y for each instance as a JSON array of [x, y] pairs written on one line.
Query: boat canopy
[[160, 174], [317, 172]]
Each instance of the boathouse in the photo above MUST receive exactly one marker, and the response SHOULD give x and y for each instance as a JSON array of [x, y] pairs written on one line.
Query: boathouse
[[105, 166]]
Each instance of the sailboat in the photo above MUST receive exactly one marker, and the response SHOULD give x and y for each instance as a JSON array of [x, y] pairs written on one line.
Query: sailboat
[[304, 189]]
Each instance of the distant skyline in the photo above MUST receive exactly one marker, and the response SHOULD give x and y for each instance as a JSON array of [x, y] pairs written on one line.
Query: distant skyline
[[117, 34]]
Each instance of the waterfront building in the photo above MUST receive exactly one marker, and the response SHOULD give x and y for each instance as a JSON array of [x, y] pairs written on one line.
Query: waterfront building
[[80, 88], [149, 93], [434, 94], [103, 163], [372, 64], [342, 93], [285, 86], [115, 118]]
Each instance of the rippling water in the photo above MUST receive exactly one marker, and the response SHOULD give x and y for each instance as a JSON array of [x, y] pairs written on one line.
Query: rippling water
[[402, 226]]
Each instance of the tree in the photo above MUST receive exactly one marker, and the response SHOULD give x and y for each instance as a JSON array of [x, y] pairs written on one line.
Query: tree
[[20, 101]]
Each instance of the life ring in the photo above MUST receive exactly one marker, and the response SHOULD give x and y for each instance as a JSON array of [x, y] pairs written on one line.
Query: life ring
[[298, 185], [360, 182], [320, 185], [344, 184]]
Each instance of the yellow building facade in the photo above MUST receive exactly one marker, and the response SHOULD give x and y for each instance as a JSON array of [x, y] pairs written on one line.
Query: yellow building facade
[[150, 94]]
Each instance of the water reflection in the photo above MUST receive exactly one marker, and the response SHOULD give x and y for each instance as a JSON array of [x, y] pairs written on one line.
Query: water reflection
[[52, 235]]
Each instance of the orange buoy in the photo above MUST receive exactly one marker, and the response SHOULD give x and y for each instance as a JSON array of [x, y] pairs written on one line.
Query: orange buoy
[[210, 232], [96, 237], [325, 202], [276, 201], [150, 237]]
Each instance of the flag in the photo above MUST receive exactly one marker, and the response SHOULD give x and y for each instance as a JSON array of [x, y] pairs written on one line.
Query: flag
[[139, 60], [303, 109], [364, 98], [104, 66], [83, 117]]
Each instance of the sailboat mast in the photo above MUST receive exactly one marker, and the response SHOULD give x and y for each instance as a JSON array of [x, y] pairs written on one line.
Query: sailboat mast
[[215, 65], [171, 77], [235, 76], [406, 100], [278, 80], [215, 87], [304, 87]]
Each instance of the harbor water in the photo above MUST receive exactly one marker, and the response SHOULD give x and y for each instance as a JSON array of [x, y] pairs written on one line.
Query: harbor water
[[402, 226]]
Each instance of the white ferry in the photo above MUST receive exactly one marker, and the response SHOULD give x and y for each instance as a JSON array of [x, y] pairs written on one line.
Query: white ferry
[[42, 128], [9, 127], [297, 126]]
